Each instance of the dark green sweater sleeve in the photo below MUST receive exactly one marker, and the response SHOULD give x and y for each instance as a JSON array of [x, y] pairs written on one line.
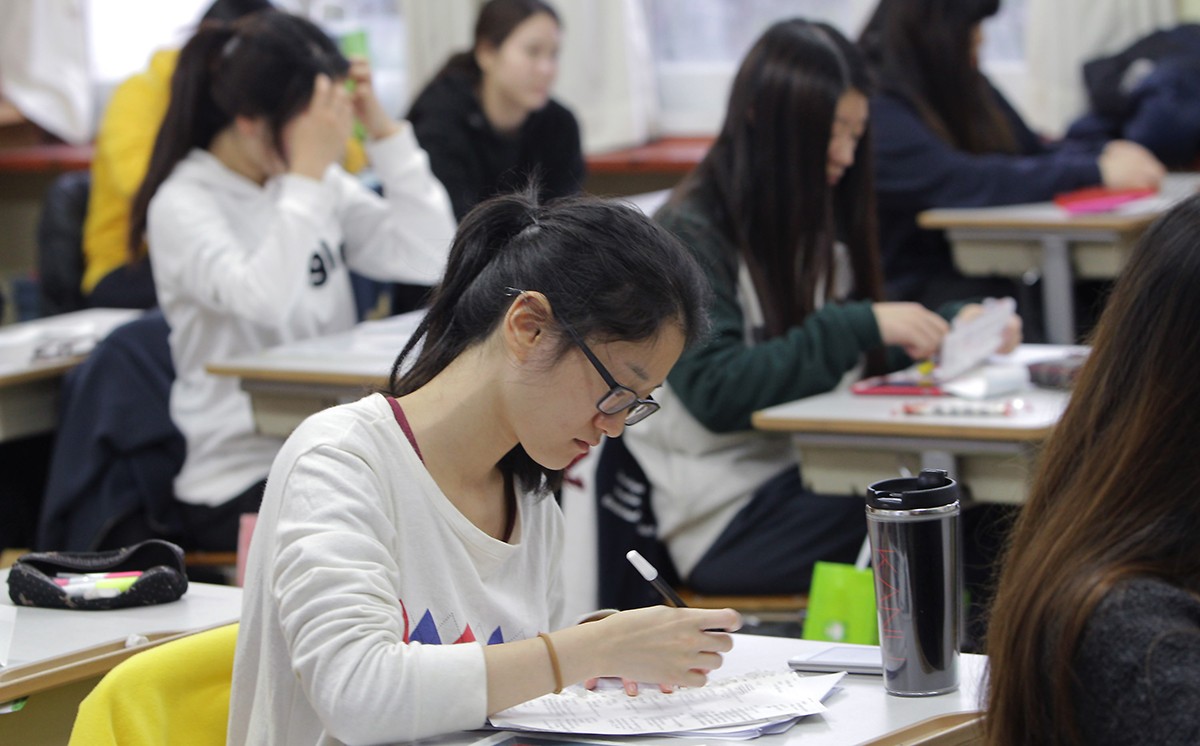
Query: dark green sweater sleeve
[[725, 380]]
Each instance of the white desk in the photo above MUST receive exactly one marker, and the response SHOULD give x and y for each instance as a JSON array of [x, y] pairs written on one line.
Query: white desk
[[290, 382], [1015, 239], [29, 389], [847, 441], [862, 711], [56, 656], [859, 712]]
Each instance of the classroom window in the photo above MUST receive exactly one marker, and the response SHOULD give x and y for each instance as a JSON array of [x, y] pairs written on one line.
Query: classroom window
[[698, 43]]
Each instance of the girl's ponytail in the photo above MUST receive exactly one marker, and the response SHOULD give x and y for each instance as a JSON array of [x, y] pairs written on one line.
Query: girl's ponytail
[[191, 121], [461, 299]]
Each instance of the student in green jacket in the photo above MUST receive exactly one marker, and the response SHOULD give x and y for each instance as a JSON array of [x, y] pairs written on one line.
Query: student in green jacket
[[781, 214]]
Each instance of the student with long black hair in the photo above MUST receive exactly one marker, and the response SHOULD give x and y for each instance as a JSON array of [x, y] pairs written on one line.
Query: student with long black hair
[[780, 214], [945, 137], [404, 522], [253, 230]]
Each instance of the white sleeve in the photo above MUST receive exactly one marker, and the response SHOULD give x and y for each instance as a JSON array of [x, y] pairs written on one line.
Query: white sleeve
[[195, 251], [341, 619], [406, 235]]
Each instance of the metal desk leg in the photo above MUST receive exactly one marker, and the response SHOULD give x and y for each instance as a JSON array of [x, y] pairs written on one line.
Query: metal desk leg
[[1058, 290]]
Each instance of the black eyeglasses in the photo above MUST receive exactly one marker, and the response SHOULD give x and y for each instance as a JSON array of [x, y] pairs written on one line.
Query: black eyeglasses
[[619, 398]]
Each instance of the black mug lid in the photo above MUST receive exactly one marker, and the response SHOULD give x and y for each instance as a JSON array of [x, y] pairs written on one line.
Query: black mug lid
[[932, 488]]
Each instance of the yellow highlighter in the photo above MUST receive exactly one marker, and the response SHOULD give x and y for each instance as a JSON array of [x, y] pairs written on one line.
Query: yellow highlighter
[[925, 373], [102, 588]]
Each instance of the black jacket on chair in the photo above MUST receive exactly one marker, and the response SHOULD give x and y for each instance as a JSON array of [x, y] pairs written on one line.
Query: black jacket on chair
[[117, 450]]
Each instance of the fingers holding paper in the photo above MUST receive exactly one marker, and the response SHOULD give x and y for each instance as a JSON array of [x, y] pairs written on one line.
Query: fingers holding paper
[[1010, 337], [910, 326]]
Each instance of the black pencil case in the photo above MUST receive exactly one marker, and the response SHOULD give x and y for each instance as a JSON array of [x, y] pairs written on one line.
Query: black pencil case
[[163, 578]]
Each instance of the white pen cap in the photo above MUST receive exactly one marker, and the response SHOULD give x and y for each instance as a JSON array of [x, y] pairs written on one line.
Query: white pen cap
[[645, 568]]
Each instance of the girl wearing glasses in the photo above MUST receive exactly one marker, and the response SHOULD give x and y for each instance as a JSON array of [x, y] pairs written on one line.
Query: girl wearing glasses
[[401, 523], [781, 215]]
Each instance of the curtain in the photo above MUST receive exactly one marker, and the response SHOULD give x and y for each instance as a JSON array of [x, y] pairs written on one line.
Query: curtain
[[1063, 34], [44, 66], [435, 30], [606, 71], [1189, 11]]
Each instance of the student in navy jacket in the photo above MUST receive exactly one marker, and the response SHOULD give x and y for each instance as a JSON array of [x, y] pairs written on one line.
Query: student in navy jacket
[[945, 137]]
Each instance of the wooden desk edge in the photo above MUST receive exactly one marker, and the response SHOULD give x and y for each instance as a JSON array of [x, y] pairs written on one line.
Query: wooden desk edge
[[39, 676], [951, 729], [670, 155], [906, 428], [42, 372], [46, 158], [261, 375], [950, 219]]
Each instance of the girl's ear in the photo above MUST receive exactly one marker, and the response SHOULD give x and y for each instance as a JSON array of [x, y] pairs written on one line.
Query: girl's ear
[[485, 56], [249, 127], [525, 323]]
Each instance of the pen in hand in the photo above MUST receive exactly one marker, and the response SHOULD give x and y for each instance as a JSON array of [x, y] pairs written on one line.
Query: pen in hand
[[650, 573]]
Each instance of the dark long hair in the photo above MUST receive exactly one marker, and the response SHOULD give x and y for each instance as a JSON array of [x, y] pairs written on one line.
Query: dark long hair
[[1115, 495], [262, 65], [607, 269], [497, 19], [765, 175], [921, 50]]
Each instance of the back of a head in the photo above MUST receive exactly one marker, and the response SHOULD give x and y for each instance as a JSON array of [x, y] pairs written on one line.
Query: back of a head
[[497, 19], [231, 10], [1115, 492], [607, 270], [923, 29], [922, 51], [263, 65]]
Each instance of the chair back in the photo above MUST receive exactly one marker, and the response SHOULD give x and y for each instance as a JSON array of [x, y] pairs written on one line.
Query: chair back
[[60, 243], [176, 693]]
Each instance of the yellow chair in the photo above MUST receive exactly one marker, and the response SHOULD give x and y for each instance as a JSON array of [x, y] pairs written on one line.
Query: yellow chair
[[176, 693]]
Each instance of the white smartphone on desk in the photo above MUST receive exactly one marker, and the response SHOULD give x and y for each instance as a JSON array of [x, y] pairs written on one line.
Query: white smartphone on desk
[[862, 660]]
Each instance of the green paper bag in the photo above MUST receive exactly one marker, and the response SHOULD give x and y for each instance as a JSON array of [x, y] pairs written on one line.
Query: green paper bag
[[841, 605]]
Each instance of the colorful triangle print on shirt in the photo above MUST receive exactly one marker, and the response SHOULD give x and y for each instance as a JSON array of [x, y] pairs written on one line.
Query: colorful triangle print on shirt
[[426, 631]]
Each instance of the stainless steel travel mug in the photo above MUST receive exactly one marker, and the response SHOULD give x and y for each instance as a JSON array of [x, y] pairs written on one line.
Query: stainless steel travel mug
[[913, 523]]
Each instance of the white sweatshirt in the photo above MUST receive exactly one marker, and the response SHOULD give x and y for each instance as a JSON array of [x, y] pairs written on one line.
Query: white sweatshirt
[[361, 573], [240, 268]]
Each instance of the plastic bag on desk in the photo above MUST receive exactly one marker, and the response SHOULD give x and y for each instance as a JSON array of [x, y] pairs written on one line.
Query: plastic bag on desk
[[841, 605]]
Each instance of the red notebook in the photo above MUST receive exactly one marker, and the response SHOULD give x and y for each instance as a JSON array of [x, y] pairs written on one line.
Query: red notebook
[[1098, 199], [896, 384]]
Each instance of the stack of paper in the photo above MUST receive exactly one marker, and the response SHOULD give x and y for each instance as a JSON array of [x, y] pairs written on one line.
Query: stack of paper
[[738, 708]]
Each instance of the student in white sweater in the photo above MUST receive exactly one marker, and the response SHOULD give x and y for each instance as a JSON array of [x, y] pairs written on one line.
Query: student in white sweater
[[253, 230], [404, 579]]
